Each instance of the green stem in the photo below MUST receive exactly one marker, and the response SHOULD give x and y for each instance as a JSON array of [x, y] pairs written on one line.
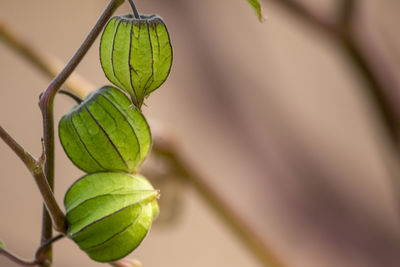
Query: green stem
[[71, 95], [46, 104]]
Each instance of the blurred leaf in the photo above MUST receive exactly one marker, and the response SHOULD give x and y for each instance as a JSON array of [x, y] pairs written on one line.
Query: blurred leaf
[[257, 9], [1, 245]]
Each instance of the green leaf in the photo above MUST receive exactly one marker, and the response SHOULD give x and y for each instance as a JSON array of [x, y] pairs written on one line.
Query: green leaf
[[109, 214], [136, 54], [104, 133], [257, 9], [1, 245]]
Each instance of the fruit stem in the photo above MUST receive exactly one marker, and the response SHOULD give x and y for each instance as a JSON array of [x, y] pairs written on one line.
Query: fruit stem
[[135, 12]]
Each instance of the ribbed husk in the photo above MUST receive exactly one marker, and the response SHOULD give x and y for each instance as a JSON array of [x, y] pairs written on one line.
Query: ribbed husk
[[136, 54], [109, 214], [105, 133]]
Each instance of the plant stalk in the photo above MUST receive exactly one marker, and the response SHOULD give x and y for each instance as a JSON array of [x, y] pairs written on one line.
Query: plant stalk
[[135, 12], [76, 98], [12, 257], [36, 169], [46, 104]]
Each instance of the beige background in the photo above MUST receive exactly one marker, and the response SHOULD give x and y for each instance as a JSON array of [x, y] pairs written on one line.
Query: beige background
[[272, 114]]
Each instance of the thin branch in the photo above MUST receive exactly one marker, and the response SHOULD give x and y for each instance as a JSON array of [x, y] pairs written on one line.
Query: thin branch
[[71, 95], [49, 66], [37, 260], [21, 48], [46, 104], [36, 169], [134, 10], [40, 251], [250, 238], [47, 98], [30, 162], [17, 259], [346, 12]]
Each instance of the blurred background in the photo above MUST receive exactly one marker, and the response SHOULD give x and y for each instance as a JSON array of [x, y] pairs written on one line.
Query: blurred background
[[276, 117]]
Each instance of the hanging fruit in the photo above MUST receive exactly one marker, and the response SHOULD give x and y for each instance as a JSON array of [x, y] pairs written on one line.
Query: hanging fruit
[[109, 211], [136, 53], [109, 214], [105, 133]]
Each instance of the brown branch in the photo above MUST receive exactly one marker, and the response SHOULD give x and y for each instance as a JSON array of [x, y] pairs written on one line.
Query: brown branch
[[346, 11], [37, 260], [36, 169], [49, 66], [17, 259], [40, 254]]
